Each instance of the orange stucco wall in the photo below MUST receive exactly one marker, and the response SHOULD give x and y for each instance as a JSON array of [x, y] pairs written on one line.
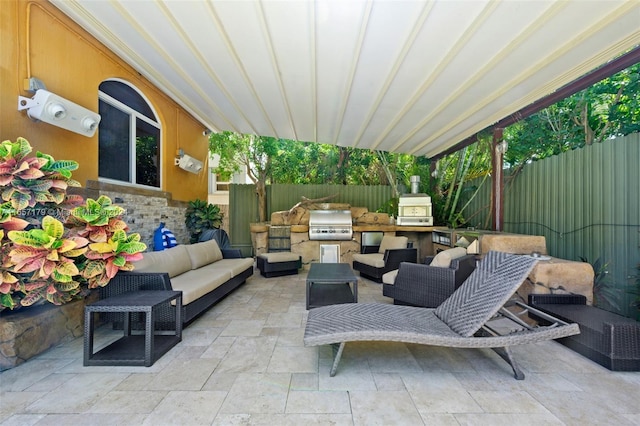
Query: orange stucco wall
[[37, 40]]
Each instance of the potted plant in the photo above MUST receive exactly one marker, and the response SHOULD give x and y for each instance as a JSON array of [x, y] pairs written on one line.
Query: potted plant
[[200, 216], [55, 246]]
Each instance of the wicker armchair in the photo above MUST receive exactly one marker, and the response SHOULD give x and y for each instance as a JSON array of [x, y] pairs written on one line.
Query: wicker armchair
[[374, 261], [428, 286]]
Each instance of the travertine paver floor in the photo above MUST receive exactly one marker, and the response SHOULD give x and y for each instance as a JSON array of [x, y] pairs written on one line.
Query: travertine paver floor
[[244, 362]]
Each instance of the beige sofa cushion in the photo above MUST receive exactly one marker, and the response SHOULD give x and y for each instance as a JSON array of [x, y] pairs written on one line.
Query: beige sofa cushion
[[203, 253], [444, 258], [198, 282], [372, 259], [277, 257], [234, 266], [389, 243], [174, 261]]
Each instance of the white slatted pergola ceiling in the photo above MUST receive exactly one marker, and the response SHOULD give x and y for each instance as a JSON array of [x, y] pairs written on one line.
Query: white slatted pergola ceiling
[[402, 76]]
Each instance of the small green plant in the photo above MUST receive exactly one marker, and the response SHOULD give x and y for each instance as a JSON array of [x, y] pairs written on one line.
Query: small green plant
[[201, 216], [604, 292]]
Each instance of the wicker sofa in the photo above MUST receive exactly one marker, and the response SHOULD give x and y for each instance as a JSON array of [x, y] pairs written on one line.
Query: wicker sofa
[[611, 340], [204, 273]]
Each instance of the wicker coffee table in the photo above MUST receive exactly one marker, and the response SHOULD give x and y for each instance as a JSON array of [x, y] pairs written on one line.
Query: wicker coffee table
[[330, 284], [140, 349]]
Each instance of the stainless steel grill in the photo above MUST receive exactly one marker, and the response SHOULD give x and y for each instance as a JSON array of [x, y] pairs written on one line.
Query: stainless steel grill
[[330, 225]]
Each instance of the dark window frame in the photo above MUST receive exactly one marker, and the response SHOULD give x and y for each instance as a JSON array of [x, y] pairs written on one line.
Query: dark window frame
[[137, 120]]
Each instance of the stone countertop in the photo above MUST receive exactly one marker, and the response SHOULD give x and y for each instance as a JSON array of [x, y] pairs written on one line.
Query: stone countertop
[[357, 228]]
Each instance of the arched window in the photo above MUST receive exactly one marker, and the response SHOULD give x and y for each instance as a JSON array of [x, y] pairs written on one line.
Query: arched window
[[129, 136]]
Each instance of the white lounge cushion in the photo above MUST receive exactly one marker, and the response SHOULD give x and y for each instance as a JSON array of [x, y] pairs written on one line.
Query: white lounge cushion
[[389, 243], [372, 259], [390, 277], [444, 258], [277, 257]]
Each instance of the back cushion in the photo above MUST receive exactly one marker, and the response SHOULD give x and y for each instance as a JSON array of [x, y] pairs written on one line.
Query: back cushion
[[389, 243], [174, 261], [444, 258], [204, 253]]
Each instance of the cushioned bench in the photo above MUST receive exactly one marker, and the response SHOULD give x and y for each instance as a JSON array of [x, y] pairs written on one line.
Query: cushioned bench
[[611, 340], [278, 264]]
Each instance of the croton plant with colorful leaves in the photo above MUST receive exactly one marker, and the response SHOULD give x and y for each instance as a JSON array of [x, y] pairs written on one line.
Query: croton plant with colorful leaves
[[55, 245]]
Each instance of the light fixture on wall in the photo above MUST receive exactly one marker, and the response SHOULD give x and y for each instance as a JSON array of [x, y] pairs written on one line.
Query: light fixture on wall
[[502, 146], [53, 109], [188, 163]]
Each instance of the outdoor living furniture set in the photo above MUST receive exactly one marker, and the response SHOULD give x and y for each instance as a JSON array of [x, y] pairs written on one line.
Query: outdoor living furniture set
[[204, 273], [611, 340]]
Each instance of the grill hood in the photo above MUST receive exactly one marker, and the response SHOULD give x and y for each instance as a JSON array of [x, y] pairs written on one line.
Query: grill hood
[[330, 225]]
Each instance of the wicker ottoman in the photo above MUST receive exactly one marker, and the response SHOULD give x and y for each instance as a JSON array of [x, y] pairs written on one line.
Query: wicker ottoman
[[278, 264], [611, 340]]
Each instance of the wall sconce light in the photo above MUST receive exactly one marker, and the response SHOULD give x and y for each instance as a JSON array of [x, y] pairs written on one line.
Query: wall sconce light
[[502, 146], [53, 109], [188, 163]]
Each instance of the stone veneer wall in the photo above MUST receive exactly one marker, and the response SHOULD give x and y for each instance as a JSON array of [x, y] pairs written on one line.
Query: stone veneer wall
[[145, 209]]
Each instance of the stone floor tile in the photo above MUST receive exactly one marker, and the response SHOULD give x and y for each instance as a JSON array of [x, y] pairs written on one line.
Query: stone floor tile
[[494, 419], [388, 382], [304, 382], [283, 419], [383, 408], [110, 419], [317, 402], [293, 360], [290, 337], [507, 402], [444, 401], [593, 408], [22, 419], [116, 401], [243, 328], [219, 348], [258, 393], [284, 319], [184, 374], [187, 408], [248, 354], [76, 395], [220, 381], [199, 336]]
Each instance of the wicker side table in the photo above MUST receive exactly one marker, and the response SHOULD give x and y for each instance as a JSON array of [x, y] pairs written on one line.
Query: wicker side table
[[142, 350]]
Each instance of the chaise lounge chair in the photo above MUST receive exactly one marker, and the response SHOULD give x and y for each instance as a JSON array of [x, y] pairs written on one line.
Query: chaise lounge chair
[[461, 321]]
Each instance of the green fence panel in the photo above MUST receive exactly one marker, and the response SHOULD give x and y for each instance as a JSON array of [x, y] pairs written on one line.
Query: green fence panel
[[586, 203]]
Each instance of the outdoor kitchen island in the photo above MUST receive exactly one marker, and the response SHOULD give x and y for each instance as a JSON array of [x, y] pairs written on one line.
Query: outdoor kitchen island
[[311, 229], [300, 243]]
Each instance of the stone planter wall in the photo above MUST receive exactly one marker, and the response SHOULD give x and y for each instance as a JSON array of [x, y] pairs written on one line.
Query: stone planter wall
[[30, 331]]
